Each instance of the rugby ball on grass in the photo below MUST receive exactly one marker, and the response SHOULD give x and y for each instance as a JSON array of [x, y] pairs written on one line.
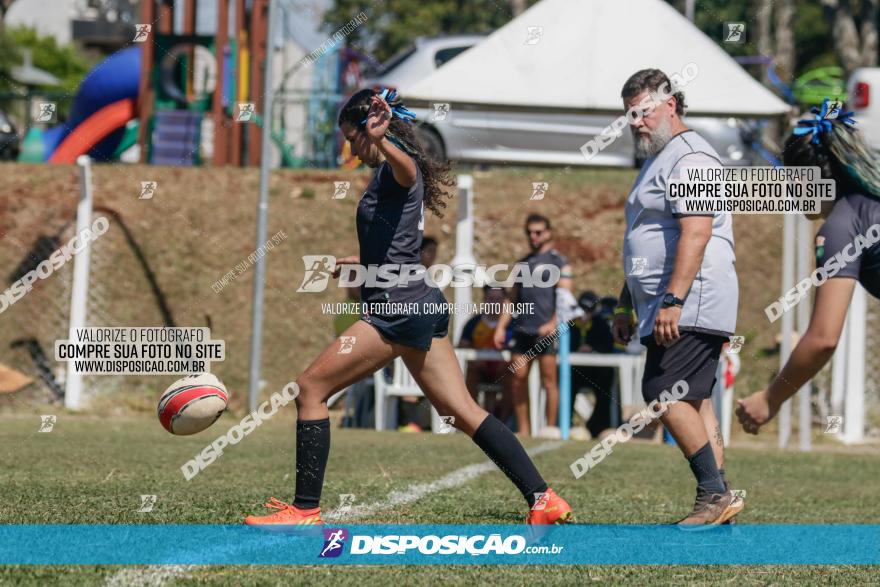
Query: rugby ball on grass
[[191, 404]]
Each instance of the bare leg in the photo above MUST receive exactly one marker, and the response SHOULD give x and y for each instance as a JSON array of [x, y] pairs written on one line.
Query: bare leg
[[330, 372], [550, 381], [439, 375], [333, 371], [684, 422], [713, 431], [519, 395]]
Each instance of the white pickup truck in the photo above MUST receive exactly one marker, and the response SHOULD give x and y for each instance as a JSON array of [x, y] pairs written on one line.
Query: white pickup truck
[[864, 100]]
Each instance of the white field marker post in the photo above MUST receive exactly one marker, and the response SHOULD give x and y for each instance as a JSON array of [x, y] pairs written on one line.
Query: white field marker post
[[854, 405], [536, 406], [79, 298], [262, 211], [464, 249], [804, 257], [788, 255]]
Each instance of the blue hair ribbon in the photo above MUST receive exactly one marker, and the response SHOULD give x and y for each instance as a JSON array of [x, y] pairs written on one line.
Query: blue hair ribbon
[[821, 123], [399, 110]]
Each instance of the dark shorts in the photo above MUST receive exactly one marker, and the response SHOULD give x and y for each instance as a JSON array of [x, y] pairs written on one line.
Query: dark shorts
[[523, 343], [692, 358], [489, 371], [417, 325]]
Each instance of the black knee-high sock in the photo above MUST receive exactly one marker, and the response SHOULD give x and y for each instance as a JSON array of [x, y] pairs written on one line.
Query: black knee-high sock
[[312, 452], [499, 443], [705, 469]]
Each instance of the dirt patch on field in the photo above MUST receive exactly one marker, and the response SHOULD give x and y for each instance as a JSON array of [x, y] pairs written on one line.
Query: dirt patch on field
[[200, 224]]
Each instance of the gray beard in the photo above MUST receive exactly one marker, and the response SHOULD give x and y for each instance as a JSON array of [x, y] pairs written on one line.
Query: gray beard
[[653, 143]]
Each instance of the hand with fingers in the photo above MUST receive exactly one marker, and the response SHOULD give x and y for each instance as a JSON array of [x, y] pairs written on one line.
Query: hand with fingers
[[378, 118], [622, 328], [499, 338], [350, 260], [755, 411], [666, 325], [547, 329]]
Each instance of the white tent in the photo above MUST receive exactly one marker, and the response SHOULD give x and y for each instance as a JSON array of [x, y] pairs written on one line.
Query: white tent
[[577, 54]]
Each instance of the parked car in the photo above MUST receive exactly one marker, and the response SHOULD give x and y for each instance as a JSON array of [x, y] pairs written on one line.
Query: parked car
[[421, 58], [863, 89], [9, 140], [479, 134]]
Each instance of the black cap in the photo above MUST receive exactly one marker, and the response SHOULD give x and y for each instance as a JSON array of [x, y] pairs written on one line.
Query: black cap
[[588, 300]]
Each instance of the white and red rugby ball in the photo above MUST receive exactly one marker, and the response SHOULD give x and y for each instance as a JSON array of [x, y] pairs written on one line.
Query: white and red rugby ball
[[193, 403]]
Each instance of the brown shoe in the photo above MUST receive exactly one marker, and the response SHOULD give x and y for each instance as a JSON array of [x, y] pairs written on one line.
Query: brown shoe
[[711, 509], [732, 520]]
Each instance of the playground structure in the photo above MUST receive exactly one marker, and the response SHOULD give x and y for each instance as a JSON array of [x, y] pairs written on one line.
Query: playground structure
[[196, 79], [102, 116], [203, 97], [176, 96]]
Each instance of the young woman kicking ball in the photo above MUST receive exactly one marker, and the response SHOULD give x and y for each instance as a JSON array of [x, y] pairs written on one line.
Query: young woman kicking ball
[[390, 218]]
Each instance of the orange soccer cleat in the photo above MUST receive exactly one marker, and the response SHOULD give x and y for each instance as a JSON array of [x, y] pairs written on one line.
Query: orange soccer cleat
[[550, 509], [287, 515]]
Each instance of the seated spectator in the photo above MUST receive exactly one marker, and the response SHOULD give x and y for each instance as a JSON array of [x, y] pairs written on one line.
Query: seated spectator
[[478, 333], [606, 308], [592, 334]]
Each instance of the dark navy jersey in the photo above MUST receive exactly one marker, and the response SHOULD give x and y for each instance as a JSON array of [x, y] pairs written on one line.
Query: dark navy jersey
[[847, 230], [390, 219], [542, 298]]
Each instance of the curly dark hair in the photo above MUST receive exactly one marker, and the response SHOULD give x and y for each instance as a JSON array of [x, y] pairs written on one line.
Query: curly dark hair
[[437, 175], [841, 155]]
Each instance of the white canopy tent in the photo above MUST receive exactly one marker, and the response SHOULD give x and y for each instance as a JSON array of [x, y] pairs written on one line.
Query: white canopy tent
[[582, 52]]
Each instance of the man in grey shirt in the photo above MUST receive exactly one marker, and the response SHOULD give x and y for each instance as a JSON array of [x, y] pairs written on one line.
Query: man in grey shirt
[[681, 287]]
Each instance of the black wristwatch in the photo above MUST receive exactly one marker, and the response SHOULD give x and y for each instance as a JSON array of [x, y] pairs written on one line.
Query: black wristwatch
[[669, 299]]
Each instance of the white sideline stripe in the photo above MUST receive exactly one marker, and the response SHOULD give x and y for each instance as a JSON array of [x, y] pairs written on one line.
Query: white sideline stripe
[[152, 576], [157, 575], [418, 491]]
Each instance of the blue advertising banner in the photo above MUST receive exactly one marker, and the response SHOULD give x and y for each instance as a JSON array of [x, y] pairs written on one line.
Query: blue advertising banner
[[440, 544]]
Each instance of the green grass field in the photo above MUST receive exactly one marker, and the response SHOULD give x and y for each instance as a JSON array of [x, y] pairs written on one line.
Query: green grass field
[[91, 471]]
